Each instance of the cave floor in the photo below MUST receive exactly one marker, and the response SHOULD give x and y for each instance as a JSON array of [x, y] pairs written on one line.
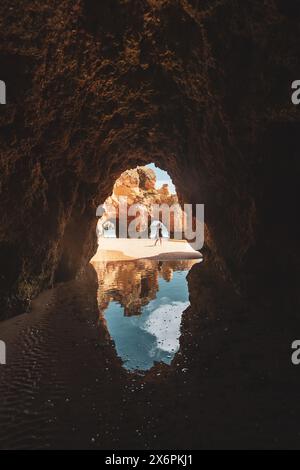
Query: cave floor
[[228, 387]]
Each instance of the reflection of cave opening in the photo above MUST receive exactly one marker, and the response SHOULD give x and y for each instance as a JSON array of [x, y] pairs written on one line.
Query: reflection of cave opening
[[141, 303]]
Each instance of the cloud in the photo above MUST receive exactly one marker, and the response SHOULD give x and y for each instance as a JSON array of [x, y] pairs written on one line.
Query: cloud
[[164, 323]]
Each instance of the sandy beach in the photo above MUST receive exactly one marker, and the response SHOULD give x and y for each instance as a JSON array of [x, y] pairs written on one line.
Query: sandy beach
[[120, 249]]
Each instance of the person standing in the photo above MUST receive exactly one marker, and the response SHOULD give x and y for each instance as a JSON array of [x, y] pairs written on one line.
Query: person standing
[[159, 234]]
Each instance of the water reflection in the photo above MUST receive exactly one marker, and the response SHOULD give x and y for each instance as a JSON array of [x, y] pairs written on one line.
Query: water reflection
[[142, 302]]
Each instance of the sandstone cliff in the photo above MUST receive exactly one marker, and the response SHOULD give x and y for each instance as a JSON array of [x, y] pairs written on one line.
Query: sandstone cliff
[[138, 186]]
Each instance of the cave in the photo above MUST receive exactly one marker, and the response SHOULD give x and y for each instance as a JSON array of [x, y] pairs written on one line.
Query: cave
[[202, 90]]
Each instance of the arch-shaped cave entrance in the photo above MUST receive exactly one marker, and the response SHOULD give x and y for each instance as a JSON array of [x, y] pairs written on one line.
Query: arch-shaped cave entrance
[[143, 205], [143, 289]]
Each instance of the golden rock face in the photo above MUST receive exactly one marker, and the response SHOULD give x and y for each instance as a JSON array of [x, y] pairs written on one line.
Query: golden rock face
[[138, 186], [95, 88], [133, 284]]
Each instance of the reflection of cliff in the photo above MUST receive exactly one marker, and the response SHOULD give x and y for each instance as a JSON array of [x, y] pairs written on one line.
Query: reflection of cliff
[[133, 284]]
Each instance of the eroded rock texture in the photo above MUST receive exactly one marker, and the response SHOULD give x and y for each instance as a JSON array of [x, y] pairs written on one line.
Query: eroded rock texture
[[202, 88], [135, 196]]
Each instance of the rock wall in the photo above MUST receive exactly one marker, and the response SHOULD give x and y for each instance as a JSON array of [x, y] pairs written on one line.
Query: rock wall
[[137, 188], [202, 89]]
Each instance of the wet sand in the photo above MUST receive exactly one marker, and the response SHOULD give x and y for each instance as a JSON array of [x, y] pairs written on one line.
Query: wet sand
[[120, 249], [231, 384]]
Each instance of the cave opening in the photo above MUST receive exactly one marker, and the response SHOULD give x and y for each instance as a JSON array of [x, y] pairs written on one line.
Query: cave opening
[[143, 206], [142, 277]]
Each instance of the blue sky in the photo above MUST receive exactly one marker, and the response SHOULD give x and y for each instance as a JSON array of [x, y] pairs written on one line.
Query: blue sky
[[162, 177]]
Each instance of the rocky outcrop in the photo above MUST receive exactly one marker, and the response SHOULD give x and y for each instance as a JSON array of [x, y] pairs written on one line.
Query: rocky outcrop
[[138, 187], [202, 89]]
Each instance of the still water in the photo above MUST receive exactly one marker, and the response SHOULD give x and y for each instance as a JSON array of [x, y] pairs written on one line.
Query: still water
[[142, 302]]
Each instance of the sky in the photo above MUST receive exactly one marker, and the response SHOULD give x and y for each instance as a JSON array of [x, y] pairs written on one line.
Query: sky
[[162, 177]]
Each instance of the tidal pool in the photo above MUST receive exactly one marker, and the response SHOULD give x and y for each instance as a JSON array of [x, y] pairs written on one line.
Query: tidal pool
[[142, 302]]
